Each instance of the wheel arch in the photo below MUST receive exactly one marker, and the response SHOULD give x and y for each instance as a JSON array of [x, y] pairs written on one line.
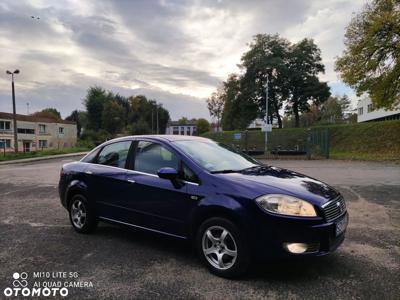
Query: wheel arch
[[75, 187], [212, 211]]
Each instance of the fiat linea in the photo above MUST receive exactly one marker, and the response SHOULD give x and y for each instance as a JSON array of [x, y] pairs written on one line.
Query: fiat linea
[[234, 209]]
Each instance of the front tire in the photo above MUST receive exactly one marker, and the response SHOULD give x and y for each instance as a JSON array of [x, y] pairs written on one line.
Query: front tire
[[81, 214], [222, 248]]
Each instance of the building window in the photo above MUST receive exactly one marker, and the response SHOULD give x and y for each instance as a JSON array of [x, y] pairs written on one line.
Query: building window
[[182, 130], [175, 130], [26, 130], [370, 108], [188, 130], [61, 130], [5, 143], [42, 128], [360, 111], [42, 144], [5, 125]]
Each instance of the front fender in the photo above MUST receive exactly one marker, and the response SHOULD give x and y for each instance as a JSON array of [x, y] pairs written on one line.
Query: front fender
[[227, 207], [74, 187]]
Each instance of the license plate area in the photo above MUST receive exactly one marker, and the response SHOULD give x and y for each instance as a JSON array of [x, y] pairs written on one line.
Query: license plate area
[[341, 225]]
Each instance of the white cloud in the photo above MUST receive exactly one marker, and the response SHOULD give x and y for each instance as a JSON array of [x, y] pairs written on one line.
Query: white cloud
[[177, 52]]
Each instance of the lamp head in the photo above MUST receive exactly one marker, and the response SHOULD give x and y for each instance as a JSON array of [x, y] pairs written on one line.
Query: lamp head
[[8, 72], [16, 71]]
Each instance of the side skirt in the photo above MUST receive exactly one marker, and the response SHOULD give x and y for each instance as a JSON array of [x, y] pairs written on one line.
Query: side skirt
[[141, 227]]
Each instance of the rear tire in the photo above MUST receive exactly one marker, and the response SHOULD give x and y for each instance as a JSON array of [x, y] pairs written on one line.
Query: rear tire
[[82, 215], [221, 246]]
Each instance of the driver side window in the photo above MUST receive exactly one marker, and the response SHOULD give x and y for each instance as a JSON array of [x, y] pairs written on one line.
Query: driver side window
[[151, 157]]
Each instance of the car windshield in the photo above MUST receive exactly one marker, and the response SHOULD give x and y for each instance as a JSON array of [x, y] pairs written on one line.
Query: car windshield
[[216, 157]]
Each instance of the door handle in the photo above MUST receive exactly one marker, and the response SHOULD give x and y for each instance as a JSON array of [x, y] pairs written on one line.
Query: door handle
[[131, 181]]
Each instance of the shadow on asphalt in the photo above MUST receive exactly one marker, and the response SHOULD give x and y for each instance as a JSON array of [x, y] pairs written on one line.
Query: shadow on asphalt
[[282, 270]]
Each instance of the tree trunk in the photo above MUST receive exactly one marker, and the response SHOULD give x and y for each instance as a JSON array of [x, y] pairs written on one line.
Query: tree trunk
[[278, 115], [296, 114]]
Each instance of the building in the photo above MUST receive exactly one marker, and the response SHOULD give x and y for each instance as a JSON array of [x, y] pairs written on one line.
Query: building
[[366, 112], [173, 127], [36, 133], [259, 124]]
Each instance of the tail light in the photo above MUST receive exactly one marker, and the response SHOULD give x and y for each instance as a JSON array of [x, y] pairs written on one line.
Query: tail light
[[62, 172]]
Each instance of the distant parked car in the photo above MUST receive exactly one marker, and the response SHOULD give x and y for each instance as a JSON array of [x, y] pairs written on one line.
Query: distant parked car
[[232, 207]]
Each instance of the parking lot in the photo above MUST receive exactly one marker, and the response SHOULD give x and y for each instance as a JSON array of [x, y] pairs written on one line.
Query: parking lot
[[35, 236]]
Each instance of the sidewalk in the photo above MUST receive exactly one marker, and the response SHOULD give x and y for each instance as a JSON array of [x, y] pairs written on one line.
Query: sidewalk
[[34, 159]]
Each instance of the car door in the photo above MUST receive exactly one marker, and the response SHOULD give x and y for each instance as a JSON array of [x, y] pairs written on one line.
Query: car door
[[107, 184], [155, 202]]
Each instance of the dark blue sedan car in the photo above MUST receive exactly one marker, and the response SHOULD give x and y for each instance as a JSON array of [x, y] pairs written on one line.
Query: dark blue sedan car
[[232, 207]]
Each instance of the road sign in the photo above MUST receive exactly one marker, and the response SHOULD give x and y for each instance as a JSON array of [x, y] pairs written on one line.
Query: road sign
[[266, 127], [237, 136]]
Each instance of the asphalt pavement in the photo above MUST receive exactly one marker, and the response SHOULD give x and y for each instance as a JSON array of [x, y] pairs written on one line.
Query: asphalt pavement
[[119, 263]]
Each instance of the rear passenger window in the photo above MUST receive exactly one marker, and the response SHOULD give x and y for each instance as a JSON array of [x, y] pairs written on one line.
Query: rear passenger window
[[151, 157], [115, 154]]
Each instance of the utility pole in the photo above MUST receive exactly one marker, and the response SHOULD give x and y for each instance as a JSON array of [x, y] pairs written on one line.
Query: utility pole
[[27, 108], [157, 117], [152, 121], [266, 116], [14, 110]]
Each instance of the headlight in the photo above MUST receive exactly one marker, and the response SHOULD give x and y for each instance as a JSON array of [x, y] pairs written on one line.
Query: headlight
[[286, 205]]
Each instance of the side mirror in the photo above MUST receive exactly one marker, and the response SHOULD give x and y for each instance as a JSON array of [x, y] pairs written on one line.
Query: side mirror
[[168, 173]]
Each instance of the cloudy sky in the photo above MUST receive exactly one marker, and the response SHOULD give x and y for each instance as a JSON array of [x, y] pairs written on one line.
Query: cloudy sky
[[176, 52]]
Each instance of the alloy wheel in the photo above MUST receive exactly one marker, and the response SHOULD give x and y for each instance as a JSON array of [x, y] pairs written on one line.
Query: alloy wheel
[[78, 213], [219, 247]]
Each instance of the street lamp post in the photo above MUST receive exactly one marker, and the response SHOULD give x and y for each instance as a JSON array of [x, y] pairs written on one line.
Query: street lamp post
[[266, 115], [14, 110], [157, 117]]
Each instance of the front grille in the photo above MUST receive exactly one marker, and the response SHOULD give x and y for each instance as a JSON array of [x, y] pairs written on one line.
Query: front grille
[[334, 209]]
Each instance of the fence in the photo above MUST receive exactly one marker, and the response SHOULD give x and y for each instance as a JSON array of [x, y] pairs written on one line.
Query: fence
[[310, 143]]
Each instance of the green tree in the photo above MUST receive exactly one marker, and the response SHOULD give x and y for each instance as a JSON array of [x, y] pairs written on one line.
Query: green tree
[[304, 65], [113, 117], [332, 111], [79, 117], [238, 111], [370, 62], [183, 121], [202, 125], [50, 113], [291, 71], [140, 127], [94, 102], [147, 111], [266, 57], [215, 105]]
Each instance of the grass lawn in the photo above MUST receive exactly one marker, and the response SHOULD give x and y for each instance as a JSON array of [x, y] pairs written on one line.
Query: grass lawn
[[370, 141], [13, 156]]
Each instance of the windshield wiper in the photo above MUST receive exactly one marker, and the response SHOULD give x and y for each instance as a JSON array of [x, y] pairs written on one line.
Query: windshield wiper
[[224, 171], [252, 168]]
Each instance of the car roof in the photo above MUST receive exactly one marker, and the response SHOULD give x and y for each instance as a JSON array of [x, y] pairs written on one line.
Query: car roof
[[159, 137]]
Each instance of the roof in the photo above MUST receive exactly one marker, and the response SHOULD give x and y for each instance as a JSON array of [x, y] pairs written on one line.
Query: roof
[[177, 123], [8, 116], [166, 137]]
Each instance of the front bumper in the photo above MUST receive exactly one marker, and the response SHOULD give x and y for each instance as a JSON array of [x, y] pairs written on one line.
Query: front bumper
[[274, 232]]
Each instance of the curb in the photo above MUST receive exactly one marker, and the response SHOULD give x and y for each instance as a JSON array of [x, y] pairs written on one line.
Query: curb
[[34, 159]]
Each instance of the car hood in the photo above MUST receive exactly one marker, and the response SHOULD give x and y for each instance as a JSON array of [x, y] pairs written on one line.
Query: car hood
[[268, 180]]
